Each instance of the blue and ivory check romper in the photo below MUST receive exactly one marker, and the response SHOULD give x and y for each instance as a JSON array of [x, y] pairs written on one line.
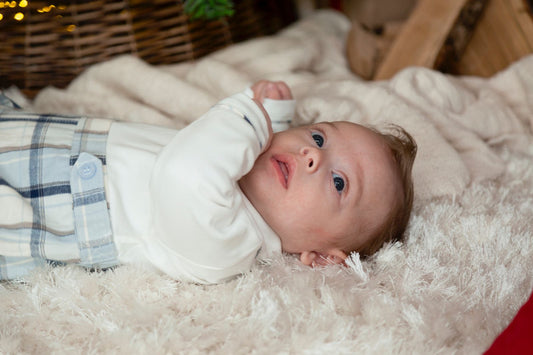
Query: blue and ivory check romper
[[53, 207]]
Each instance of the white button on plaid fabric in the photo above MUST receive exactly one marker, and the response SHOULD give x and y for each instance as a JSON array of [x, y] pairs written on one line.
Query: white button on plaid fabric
[[87, 170]]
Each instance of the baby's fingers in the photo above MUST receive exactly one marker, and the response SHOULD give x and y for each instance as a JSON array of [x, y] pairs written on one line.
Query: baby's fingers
[[265, 89], [277, 91], [283, 90], [259, 89]]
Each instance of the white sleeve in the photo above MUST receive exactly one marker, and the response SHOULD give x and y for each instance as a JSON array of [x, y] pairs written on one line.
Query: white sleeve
[[200, 226], [281, 112]]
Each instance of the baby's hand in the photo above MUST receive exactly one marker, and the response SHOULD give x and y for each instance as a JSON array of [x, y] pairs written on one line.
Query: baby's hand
[[275, 90]]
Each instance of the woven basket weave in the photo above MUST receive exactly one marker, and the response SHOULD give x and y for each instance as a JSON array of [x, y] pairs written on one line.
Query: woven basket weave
[[52, 45]]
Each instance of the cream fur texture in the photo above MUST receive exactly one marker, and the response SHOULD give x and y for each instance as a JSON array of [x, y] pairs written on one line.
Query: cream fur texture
[[455, 283], [452, 286]]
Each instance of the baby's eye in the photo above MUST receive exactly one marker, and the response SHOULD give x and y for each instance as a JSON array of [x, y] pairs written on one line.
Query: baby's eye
[[319, 139], [339, 182]]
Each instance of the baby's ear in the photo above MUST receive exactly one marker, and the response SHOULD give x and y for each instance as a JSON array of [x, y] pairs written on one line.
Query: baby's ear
[[312, 258]]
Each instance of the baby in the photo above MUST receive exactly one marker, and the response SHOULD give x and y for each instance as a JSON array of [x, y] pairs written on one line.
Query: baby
[[200, 204]]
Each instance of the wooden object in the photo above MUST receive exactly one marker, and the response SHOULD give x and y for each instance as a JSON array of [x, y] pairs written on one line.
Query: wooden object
[[366, 49], [503, 35], [433, 36]]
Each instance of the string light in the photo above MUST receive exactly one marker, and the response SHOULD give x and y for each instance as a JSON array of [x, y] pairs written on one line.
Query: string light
[[46, 9], [19, 16], [12, 4]]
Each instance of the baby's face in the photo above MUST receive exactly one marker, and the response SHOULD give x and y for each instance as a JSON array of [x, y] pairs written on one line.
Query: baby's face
[[318, 183]]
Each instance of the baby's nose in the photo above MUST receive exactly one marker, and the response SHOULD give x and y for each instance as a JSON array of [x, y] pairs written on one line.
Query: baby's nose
[[312, 157]]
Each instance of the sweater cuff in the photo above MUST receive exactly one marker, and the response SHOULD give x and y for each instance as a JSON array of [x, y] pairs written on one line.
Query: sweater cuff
[[280, 112]]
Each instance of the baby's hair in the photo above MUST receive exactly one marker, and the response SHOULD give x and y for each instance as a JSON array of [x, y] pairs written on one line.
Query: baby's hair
[[403, 148]]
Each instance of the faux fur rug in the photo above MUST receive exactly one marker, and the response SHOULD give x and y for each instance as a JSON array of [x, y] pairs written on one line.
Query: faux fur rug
[[452, 287], [458, 280]]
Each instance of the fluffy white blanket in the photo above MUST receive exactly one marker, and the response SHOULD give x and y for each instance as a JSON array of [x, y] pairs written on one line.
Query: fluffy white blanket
[[455, 283]]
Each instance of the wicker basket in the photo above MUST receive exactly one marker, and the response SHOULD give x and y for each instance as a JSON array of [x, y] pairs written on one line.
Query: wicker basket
[[53, 44]]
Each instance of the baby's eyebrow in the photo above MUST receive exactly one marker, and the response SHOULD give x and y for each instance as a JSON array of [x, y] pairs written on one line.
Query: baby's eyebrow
[[330, 125], [358, 175]]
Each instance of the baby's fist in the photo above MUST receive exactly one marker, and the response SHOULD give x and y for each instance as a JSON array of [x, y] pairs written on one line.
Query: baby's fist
[[275, 90]]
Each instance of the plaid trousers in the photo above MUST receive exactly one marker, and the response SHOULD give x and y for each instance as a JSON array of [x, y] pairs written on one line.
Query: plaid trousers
[[53, 207]]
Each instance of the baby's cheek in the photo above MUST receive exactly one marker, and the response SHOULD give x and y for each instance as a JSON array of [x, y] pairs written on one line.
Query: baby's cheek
[[322, 234]]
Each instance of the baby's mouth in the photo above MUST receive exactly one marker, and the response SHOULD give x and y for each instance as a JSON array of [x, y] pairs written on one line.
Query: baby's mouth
[[283, 170]]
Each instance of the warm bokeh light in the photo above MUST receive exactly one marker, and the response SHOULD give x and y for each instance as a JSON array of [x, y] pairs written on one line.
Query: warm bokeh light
[[19, 16], [46, 8]]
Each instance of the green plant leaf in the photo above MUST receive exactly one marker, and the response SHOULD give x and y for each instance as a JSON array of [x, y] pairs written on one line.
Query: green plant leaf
[[208, 9]]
